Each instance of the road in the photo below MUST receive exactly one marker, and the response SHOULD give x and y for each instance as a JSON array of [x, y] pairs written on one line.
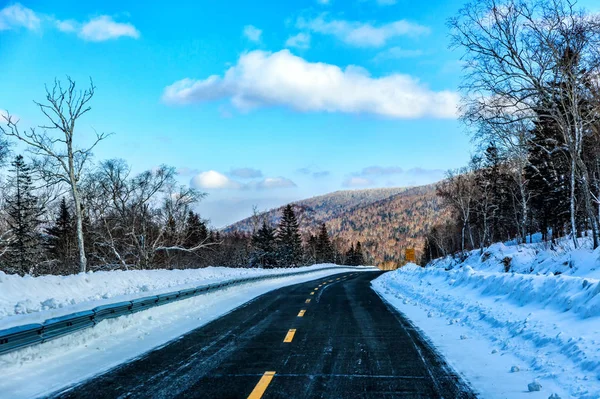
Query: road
[[329, 338]]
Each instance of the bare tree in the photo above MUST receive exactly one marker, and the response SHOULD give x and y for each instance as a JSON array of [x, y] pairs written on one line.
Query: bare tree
[[459, 191], [526, 57], [140, 217], [64, 161]]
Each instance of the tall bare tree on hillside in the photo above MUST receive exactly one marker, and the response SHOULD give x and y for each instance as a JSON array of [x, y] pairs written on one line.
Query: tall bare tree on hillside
[[54, 144]]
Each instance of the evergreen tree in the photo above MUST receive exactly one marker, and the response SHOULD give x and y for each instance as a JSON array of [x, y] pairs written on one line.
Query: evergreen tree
[[263, 247], [547, 176], [310, 252], [171, 232], [350, 256], [61, 244], [289, 242], [324, 248], [196, 232], [358, 258], [24, 251]]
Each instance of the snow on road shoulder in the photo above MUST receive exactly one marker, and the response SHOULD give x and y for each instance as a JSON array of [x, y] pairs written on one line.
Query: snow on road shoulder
[[25, 300], [42, 369], [506, 332]]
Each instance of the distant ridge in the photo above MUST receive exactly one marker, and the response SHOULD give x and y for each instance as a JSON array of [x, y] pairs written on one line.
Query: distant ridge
[[385, 220]]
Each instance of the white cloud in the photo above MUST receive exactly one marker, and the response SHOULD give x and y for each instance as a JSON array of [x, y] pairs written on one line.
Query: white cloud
[[273, 182], [301, 40], [217, 181], [213, 180], [68, 26], [17, 16], [252, 33], [261, 79], [357, 182], [96, 29], [314, 171], [105, 28], [362, 34]]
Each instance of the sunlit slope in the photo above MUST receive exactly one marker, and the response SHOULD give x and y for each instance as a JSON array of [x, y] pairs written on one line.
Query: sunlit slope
[[385, 220]]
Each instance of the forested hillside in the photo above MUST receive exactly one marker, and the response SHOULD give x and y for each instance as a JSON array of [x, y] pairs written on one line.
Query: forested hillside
[[386, 220]]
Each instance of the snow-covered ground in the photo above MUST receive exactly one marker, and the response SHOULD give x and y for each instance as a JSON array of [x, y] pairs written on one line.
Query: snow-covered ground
[[29, 299], [510, 316], [41, 369]]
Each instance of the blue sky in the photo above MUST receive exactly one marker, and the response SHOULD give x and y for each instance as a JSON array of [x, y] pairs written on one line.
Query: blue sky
[[256, 103]]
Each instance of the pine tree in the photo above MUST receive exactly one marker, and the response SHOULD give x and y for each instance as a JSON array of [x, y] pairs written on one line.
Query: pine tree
[[24, 212], [324, 248], [263, 247], [289, 242], [358, 259], [171, 232], [196, 232], [61, 244], [547, 176], [310, 251], [350, 256]]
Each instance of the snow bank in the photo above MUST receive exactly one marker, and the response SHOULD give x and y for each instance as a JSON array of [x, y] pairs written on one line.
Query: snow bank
[[29, 299], [42, 369], [537, 258], [488, 322]]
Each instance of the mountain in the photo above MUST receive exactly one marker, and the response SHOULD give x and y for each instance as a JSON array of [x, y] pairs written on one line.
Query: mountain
[[385, 220]]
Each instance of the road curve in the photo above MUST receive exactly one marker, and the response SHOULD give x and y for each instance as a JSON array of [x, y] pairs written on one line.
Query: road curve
[[328, 338]]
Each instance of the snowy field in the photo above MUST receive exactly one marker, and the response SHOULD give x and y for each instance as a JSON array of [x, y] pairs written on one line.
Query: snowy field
[[510, 317], [41, 369]]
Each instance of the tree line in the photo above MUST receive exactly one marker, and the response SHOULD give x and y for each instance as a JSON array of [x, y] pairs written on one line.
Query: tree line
[[61, 214], [531, 99]]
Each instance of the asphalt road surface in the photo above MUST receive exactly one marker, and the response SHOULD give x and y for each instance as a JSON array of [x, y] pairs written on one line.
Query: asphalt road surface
[[329, 338]]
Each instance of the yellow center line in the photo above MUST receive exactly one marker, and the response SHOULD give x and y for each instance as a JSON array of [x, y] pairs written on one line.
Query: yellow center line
[[308, 300], [312, 293], [301, 313], [316, 289], [262, 385], [289, 336]]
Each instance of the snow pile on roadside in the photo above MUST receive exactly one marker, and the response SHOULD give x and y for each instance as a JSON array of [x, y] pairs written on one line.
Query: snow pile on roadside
[[25, 300], [545, 328], [538, 257], [42, 369]]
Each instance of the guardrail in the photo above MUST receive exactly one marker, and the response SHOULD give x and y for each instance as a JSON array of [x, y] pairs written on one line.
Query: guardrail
[[30, 334]]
